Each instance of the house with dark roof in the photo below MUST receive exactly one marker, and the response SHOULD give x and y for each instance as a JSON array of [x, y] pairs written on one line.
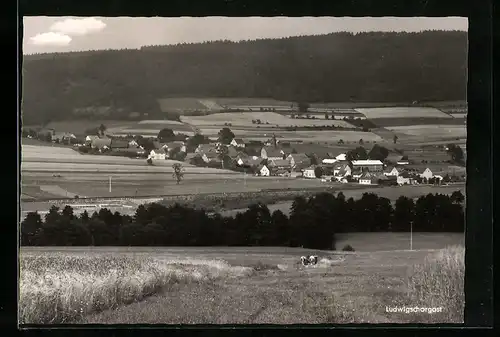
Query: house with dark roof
[[119, 144], [278, 163], [101, 143], [232, 152], [299, 161], [271, 152]]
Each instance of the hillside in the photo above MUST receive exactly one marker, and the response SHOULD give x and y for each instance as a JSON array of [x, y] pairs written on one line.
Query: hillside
[[339, 67]]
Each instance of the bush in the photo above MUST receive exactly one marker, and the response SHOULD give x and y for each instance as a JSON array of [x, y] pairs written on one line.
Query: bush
[[348, 248], [439, 282]]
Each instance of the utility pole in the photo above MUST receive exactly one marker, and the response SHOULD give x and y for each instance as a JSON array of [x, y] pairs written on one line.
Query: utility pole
[[411, 235]]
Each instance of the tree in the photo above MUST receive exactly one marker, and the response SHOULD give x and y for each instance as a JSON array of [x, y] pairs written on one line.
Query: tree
[[31, 224], [165, 135], [326, 115], [341, 141], [361, 142], [303, 106], [456, 153], [225, 136], [178, 172], [358, 153], [102, 128], [395, 139], [457, 197], [318, 172]]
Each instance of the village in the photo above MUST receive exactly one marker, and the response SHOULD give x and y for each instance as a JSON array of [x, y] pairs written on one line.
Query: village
[[262, 159]]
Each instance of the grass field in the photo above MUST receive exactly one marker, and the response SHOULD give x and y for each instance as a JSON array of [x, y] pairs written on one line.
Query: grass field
[[432, 131], [244, 285], [401, 112], [245, 119], [410, 121], [78, 127]]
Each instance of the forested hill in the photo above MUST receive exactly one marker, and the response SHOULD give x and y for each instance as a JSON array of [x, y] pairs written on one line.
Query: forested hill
[[339, 67]]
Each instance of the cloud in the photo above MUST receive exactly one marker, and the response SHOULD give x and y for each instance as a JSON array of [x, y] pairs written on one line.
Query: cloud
[[51, 39], [78, 26]]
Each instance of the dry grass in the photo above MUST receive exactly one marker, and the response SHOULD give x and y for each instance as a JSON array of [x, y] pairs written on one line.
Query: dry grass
[[63, 288], [439, 282], [400, 112], [252, 287]]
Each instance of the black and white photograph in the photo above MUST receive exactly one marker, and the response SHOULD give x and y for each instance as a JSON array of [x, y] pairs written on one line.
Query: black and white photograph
[[243, 170]]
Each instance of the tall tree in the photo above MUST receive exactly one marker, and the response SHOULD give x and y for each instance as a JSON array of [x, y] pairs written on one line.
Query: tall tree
[[178, 172], [225, 136]]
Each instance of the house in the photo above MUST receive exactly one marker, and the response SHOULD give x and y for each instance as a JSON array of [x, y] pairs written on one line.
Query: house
[[119, 144], [342, 166], [387, 180], [237, 142], [299, 161], [394, 172], [403, 161], [133, 143], [309, 172], [343, 172], [61, 137], [427, 174], [341, 157], [393, 158], [101, 143], [329, 161], [278, 163], [367, 179], [356, 173], [405, 178], [158, 154], [280, 172], [89, 139], [253, 162], [369, 165], [263, 171], [206, 148], [271, 152]]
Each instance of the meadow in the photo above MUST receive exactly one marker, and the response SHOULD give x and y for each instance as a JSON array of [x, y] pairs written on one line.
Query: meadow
[[402, 112], [432, 131], [245, 119], [244, 284], [388, 122]]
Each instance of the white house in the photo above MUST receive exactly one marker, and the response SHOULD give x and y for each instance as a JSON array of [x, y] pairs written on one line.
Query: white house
[[342, 171], [309, 172], [263, 171], [427, 174], [370, 165], [158, 154], [393, 173], [341, 157], [237, 142], [365, 179]]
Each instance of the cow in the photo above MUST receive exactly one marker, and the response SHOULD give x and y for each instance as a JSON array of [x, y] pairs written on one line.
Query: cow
[[313, 259]]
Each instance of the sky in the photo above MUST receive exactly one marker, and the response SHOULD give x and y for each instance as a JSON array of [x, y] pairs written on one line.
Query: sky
[[63, 34]]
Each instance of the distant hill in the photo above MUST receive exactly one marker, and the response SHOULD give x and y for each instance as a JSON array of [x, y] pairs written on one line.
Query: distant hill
[[339, 67]]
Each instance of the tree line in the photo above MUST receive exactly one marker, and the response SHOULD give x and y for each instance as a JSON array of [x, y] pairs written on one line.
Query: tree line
[[313, 223], [338, 67]]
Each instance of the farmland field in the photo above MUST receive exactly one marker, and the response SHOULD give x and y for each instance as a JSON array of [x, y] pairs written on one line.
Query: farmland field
[[402, 112], [237, 284], [185, 103], [405, 121], [432, 131], [297, 136], [78, 127], [245, 119]]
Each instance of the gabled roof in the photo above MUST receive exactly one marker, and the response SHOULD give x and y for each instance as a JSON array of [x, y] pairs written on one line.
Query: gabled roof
[[272, 151], [232, 152], [243, 155], [279, 163], [299, 157], [239, 140], [211, 155], [366, 175], [119, 143], [253, 162]]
